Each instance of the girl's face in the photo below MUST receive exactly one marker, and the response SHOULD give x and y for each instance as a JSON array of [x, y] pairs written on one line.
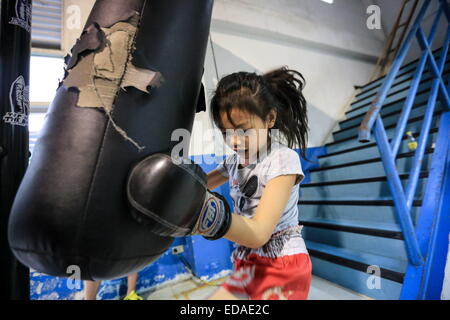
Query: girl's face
[[248, 135]]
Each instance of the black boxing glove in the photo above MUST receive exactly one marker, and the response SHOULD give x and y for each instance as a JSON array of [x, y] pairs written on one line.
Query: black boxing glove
[[171, 197]]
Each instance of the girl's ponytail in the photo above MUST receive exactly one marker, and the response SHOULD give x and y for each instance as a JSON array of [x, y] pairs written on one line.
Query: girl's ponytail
[[292, 119]]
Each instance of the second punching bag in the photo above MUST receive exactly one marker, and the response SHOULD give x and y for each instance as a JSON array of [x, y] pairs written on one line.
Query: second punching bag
[[133, 77]]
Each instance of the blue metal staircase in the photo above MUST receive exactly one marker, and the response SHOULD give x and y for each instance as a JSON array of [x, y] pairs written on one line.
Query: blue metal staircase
[[375, 212]]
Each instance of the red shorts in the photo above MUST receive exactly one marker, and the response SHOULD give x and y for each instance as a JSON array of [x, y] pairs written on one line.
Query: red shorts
[[262, 278]]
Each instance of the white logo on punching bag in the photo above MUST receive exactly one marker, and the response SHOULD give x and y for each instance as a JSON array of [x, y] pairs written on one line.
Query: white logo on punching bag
[[23, 15], [19, 101]]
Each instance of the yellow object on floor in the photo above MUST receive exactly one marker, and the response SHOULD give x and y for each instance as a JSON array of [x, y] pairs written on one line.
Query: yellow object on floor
[[133, 296], [412, 144]]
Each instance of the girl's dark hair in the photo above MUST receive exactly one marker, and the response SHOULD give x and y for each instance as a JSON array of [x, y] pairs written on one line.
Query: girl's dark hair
[[279, 90]]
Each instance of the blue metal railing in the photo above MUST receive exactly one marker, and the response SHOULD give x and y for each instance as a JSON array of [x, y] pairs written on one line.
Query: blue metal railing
[[403, 199]]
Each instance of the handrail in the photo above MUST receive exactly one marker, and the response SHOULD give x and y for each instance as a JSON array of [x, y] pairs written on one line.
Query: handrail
[[407, 23], [395, 144], [372, 113], [426, 124], [403, 199]]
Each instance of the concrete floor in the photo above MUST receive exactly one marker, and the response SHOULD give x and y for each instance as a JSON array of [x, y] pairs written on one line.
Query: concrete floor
[[190, 289]]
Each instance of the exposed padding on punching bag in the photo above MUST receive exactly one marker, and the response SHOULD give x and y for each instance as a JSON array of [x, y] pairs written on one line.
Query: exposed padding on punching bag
[[133, 77]]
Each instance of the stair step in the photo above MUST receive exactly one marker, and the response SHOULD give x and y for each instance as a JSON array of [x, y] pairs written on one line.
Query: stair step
[[390, 247], [403, 77], [397, 105], [404, 70], [365, 148], [354, 274], [423, 174], [360, 162], [356, 202], [378, 229], [384, 213], [372, 151], [391, 269], [375, 188], [413, 124], [399, 90], [389, 119], [367, 168]]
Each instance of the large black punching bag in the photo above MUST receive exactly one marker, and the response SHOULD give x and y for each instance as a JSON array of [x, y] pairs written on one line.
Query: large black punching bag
[[133, 77]]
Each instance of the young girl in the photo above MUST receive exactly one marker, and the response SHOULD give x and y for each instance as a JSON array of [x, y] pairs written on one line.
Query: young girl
[[271, 260]]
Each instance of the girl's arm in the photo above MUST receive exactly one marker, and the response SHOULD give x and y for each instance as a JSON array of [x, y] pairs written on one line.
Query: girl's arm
[[256, 231], [215, 179]]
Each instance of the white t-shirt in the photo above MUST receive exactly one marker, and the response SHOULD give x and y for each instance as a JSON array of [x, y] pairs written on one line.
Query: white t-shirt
[[247, 186]]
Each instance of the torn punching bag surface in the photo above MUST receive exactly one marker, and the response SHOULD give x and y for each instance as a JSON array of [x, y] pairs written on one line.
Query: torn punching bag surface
[[132, 79]]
